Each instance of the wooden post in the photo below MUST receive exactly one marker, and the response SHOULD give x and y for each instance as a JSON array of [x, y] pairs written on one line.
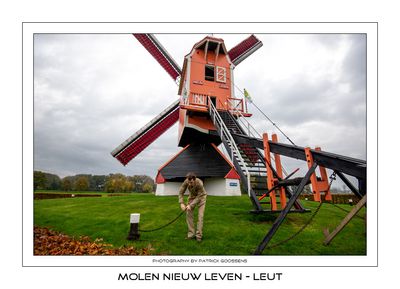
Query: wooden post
[[346, 220], [318, 186], [270, 176], [278, 166], [324, 183], [314, 184]]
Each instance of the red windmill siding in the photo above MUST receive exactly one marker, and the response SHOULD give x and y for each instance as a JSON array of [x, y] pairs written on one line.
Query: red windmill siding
[[161, 56], [138, 145]]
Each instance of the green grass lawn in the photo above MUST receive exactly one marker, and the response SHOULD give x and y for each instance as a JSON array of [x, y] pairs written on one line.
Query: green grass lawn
[[229, 228]]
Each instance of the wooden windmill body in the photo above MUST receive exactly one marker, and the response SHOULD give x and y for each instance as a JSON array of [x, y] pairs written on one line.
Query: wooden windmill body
[[207, 76]]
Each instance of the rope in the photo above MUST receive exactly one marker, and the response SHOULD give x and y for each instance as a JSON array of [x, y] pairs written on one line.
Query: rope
[[273, 123], [346, 211], [163, 226], [332, 178], [299, 231]]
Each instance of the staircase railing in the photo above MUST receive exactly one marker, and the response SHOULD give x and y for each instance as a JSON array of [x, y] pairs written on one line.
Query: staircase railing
[[227, 138], [251, 131], [244, 122]]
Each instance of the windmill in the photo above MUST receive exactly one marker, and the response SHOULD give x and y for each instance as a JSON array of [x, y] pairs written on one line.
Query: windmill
[[209, 114], [207, 75]]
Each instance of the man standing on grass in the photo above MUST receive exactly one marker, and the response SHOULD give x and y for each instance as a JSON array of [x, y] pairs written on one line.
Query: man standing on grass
[[197, 197]]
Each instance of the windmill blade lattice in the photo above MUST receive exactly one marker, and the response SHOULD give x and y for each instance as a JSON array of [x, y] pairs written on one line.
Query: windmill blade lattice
[[147, 134], [154, 47], [244, 49]]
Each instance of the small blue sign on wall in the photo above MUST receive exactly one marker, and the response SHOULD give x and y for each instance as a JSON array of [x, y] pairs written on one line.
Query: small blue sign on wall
[[233, 184]]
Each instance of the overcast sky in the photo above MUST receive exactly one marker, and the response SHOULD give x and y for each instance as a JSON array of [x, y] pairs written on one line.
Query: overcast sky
[[92, 91]]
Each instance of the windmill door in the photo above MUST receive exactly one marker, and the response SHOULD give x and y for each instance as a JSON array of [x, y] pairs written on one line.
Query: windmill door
[[214, 101]]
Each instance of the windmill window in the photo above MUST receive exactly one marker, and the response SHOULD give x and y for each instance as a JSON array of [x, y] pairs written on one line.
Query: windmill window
[[209, 72]]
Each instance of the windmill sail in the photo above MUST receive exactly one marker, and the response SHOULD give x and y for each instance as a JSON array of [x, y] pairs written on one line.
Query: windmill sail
[[244, 49], [155, 48], [147, 134]]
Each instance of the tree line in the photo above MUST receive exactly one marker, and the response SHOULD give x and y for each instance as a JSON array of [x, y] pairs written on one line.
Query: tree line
[[112, 183]]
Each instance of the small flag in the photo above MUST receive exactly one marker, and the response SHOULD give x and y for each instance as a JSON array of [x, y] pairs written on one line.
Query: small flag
[[246, 94]]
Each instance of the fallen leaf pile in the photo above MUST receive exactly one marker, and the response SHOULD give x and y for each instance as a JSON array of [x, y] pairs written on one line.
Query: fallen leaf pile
[[48, 242]]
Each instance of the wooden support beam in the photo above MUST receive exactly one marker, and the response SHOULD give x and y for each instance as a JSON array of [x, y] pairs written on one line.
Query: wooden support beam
[[350, 166], [279, 220], [349, 184], [205, 51], [345, 221], [216, 52]]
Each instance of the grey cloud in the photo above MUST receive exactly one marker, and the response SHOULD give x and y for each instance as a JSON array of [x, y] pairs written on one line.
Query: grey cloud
[[330, 41], [307, 106], [354, 63], [84, 107], [94, 91]]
